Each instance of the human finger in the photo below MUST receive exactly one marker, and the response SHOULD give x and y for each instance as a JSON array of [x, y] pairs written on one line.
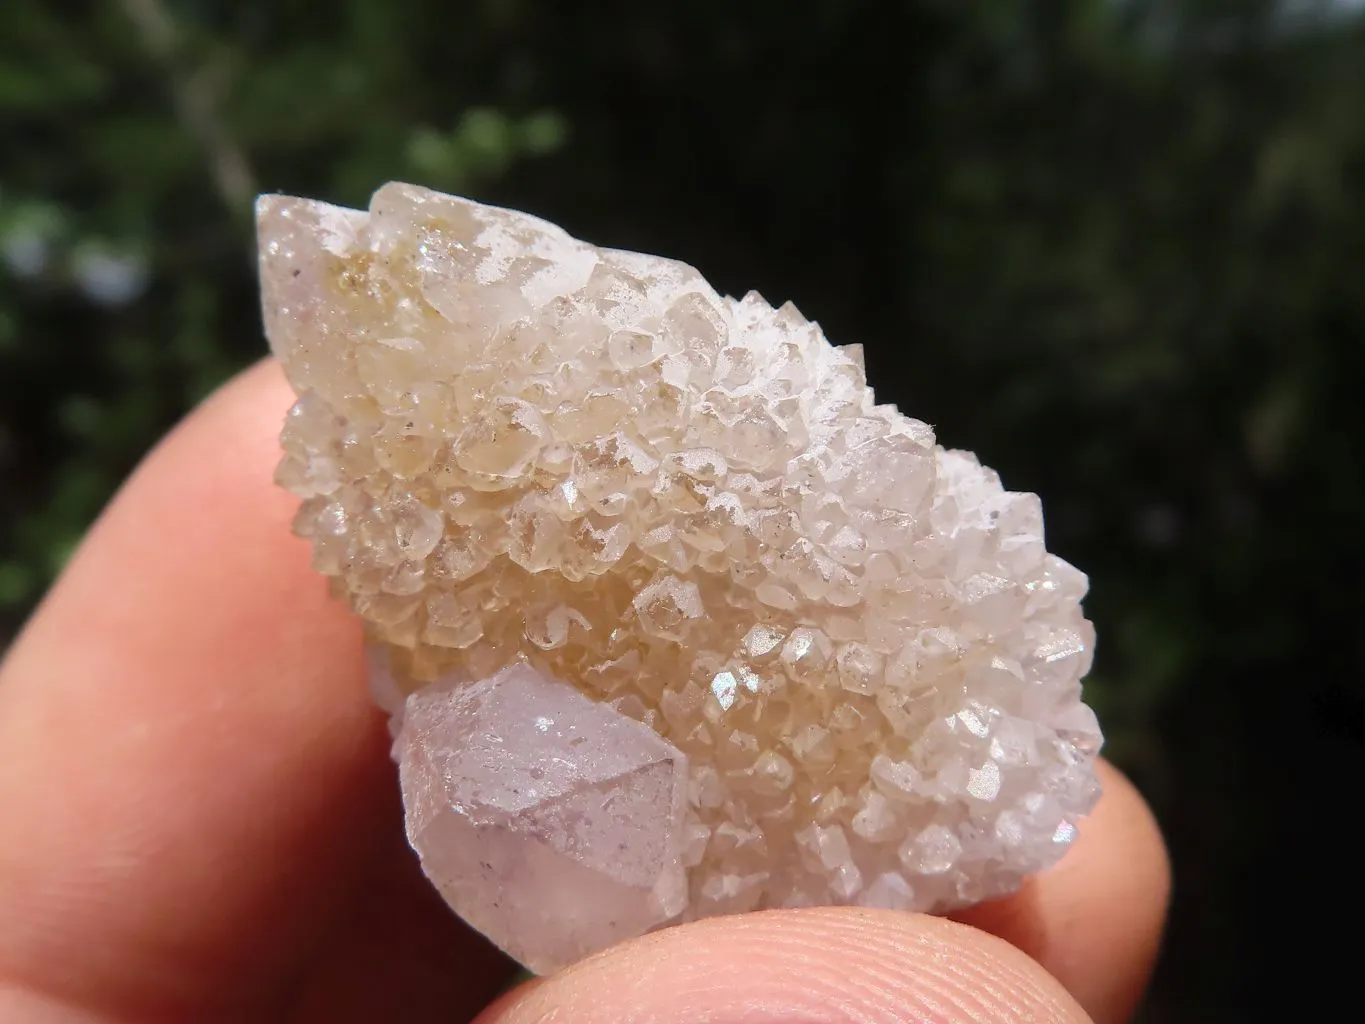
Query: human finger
[[193, 775], [1095, 919], [832, 965]]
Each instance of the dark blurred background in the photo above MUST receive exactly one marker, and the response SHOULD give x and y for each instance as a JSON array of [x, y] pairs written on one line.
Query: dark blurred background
[[1115, 246]]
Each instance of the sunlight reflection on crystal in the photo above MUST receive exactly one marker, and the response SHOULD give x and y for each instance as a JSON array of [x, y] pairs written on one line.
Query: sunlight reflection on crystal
[[724, 687], [514, 447]]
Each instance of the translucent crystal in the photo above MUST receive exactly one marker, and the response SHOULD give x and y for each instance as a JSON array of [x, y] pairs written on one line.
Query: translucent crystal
[[551, 822], [686, 524]]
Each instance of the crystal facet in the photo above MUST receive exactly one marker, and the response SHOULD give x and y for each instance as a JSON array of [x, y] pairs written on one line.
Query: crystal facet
[[549, 821], [792, 650]]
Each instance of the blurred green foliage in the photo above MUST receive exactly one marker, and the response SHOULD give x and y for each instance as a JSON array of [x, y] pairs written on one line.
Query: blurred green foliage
[[135, 139], [1115, 246]]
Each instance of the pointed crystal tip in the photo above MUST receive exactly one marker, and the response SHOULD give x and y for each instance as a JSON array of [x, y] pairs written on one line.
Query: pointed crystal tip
[[548, 821]]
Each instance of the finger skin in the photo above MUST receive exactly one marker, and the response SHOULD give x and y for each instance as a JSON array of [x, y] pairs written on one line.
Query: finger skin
[[831, 965], [400, 954], [194, 781], [1095, 920], [193, 775]]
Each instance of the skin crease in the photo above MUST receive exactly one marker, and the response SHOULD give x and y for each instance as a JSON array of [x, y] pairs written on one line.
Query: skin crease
[[200, 819]]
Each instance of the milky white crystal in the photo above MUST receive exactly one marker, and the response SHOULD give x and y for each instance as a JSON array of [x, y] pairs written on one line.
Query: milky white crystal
[[557, 480]]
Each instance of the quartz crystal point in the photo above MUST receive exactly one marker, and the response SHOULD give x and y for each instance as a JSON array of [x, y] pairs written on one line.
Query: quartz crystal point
[[672, 620], [551, 821]]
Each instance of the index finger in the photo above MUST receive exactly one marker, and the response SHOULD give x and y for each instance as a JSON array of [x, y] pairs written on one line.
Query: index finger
[[193, 773], [1095, 919]]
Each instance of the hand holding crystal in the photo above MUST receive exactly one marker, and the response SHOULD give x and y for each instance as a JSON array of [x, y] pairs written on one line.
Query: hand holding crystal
[[199, 819]]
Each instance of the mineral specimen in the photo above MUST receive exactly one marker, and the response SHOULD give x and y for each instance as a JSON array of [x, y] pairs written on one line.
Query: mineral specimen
[[671, 619], [553, 822]]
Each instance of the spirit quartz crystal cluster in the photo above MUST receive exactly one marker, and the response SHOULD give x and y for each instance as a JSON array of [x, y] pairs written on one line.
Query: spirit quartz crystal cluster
[[672, 620]]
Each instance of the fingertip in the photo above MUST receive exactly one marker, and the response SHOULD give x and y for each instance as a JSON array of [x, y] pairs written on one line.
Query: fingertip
[[191, 759], [830, 964], [1095, 920]]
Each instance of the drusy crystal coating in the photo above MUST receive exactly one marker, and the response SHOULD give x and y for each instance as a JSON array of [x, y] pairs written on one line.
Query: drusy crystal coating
[[672, 619]]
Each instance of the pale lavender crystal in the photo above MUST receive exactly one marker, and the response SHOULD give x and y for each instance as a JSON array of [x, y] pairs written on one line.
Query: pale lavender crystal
[[550, 822]]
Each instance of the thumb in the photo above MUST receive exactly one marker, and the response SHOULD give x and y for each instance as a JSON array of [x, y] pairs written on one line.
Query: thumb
[[833, 966]]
